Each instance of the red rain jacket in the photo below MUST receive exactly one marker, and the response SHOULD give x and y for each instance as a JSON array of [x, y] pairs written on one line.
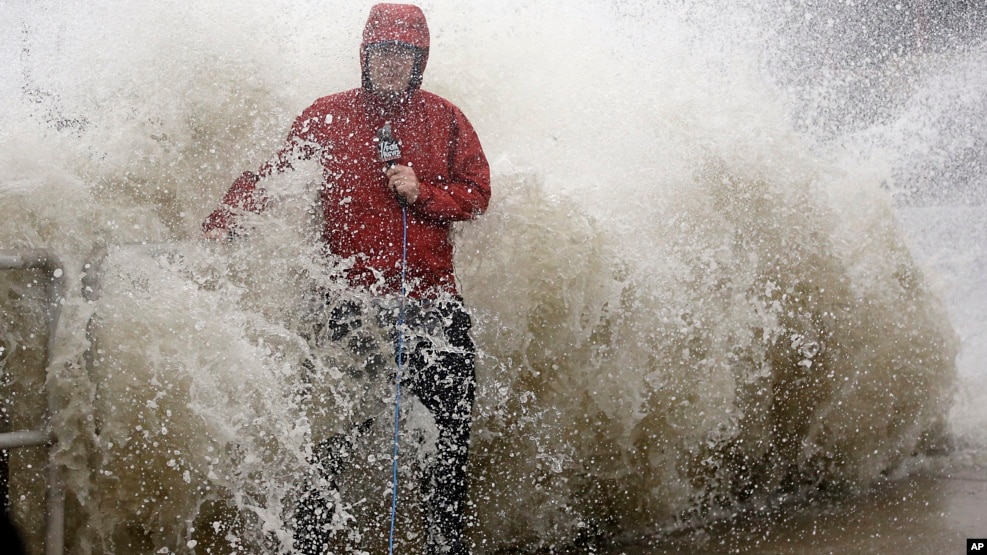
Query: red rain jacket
[[361, 218]]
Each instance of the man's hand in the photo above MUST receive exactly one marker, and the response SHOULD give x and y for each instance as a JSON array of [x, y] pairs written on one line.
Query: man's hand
[[217, 234], [403, 183]]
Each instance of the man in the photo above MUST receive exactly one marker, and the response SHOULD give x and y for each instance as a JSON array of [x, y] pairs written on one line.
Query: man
[[441, 177]]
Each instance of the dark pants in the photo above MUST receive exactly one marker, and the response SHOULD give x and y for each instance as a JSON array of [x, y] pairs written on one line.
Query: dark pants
[[439, 370]]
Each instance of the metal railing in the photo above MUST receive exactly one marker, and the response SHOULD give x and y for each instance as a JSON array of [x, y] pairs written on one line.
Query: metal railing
[[50, 265]]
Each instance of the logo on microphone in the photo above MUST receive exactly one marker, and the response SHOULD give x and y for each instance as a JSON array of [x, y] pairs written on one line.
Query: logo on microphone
[[388, 149]]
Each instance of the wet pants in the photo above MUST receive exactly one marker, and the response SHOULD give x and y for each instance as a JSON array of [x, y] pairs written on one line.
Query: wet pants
[[439, 370]]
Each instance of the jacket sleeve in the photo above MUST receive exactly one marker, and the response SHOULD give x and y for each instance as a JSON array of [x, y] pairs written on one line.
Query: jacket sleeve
[[466, 193], [245, 195]]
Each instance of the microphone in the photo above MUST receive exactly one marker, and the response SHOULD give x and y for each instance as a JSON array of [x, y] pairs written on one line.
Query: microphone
[[388, 151]]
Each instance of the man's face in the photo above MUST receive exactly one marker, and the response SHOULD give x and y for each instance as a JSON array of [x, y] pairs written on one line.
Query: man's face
[[390, 69]]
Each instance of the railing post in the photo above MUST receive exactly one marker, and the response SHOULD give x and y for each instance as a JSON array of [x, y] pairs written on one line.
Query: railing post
[[55, 494]]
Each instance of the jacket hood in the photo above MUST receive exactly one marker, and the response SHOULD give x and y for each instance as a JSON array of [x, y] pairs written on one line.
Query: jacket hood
[[403, 24]]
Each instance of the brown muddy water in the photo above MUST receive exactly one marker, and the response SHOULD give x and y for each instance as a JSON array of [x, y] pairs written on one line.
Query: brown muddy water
[[930, 512]]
